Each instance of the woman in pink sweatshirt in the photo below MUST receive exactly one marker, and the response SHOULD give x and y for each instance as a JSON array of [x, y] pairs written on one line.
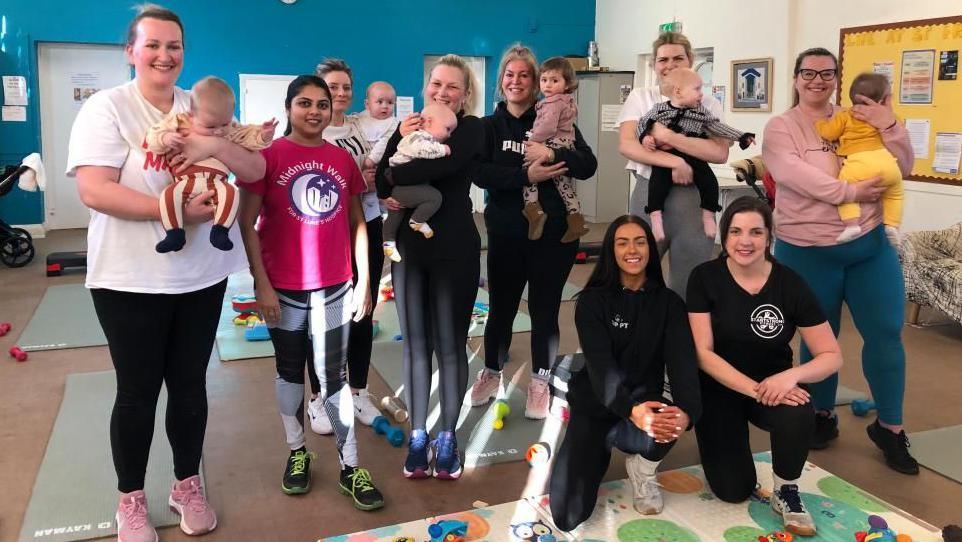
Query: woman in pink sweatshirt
[[865, 272]]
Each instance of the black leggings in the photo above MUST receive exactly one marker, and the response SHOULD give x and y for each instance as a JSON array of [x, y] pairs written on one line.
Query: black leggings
[[362, 333], [544, 266], [722, 435], [157, 339], [435, 299], [583, 460], [702, 176]]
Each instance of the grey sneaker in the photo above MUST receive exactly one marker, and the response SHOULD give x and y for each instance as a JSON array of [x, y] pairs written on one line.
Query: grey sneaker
[[645, 488], [787, 503]]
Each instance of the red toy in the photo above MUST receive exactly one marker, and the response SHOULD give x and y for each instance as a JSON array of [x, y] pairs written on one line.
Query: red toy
[[777, 536], [20, 355], [5, 328]]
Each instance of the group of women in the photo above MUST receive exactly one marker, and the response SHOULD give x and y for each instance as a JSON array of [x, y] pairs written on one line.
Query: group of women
[[315, 187]]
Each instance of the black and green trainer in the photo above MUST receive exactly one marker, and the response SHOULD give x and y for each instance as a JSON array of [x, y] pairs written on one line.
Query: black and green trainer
[[297, 474], [356, 483]]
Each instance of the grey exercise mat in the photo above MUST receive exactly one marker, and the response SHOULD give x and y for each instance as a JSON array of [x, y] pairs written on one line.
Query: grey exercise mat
[[230, 337], [568, 293], [480, 443], [938, 450], [75, 494], [65, 318], [388, 326], [845, 396]]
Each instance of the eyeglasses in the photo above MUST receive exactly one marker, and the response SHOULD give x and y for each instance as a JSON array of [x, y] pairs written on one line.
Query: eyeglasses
[[826, 75]]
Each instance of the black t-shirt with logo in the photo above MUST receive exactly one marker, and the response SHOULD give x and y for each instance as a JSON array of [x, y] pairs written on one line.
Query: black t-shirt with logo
[[753, 332]]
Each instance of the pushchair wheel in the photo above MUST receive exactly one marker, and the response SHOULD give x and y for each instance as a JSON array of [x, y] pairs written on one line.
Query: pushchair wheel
[[16, 251], [22, 233]]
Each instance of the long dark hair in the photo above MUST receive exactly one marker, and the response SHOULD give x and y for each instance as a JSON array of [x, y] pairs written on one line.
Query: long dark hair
[[607, 274], [295, 88], [814, 51], [746, 204]]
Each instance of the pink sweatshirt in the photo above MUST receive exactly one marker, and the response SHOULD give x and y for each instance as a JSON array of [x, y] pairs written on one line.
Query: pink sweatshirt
[[805, 169], [556, 118]]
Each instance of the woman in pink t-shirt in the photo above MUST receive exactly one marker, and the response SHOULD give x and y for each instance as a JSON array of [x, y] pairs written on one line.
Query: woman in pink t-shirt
[[308, 212]]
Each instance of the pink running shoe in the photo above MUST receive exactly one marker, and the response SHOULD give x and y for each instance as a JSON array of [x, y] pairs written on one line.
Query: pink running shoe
[[187, 499], [486, 387], [539, 398], [133, 525]]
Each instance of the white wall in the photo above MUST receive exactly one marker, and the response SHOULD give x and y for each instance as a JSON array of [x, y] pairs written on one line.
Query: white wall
[[778, 29]]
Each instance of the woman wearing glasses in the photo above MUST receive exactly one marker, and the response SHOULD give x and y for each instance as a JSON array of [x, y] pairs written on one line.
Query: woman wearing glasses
[[864, 272]]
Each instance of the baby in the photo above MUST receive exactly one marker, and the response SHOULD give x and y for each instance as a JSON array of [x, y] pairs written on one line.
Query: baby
[[554, 127], [865, 156], [377, 121], [684, 113], [211, 114], [437, 123]]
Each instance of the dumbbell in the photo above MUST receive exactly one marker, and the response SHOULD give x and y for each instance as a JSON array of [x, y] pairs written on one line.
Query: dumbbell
[[5, 328], [393, 435], [501, 411], [861, 407], [395, 407], [18, 354]]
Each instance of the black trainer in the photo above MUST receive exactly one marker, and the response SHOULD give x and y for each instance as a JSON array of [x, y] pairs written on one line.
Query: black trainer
[[297, 474], [826, 429], [356, 483], [894, 447]]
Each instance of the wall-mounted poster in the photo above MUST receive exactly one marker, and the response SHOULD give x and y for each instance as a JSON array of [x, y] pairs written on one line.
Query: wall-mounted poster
[[948, 65], [752, 85], [917, 74]]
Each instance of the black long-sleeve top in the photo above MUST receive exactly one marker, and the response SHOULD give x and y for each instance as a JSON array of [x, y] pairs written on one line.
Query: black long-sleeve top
[[455, 235], [502, 174], [630, 340]]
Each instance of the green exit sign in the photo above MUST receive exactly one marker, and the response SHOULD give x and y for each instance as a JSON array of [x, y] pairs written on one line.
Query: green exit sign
[[674, 26]]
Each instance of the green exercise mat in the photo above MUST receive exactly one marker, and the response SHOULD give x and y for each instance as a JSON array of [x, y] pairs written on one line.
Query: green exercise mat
[[480, 442], [75, 494], [65, 318], [388, 326], [231, 343], [568, 293], [938, 450]]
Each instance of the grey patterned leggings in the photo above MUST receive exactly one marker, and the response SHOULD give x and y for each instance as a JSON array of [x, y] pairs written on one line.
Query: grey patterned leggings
[[565, 185]]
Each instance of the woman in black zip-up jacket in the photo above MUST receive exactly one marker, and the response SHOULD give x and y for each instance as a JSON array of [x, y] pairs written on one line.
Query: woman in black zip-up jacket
[[634, 332], [513, 259]]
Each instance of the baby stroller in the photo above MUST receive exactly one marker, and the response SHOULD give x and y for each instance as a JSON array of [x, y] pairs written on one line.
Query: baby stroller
[[16, 244], [752, 170]]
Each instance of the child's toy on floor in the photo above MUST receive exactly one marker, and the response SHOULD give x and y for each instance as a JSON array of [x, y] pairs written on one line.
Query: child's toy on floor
[[393, 435], [5, 328], [18, 354], [243, 303], [448, 530], [861, 407], [952, 533], [501, 411], [480, 313], [257, 332], [394, 406], [879, 532], [386, 293], [398, 338], [246, 319], [777, 536], [376, 328], [538, 454]]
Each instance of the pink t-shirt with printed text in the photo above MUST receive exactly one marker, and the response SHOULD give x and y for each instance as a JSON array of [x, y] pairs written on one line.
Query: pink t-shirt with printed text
[[304, 224]]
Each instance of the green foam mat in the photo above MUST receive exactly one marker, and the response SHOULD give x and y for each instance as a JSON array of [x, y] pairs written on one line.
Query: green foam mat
[[481, 443], [65, 318], [230, 337], [75, 494], [388, 326], [691, 514], [938, 450], [568, 293]]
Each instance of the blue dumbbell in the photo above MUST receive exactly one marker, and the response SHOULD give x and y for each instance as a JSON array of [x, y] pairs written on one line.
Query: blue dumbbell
[[861, 407], [393, 434]]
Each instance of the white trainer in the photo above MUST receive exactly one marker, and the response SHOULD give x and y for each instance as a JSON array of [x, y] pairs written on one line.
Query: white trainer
[[364, 409], [320, 423], [787, 503], [645, 488]]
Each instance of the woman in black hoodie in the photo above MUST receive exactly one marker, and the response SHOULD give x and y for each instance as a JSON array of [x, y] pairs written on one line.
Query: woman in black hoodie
[[508, 164], [634, 331]]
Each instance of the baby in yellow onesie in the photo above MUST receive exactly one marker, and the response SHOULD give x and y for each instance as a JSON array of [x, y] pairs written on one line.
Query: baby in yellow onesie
[[865, 156]]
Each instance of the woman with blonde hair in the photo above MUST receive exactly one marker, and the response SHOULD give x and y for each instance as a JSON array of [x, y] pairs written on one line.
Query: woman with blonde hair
[[436, 283]]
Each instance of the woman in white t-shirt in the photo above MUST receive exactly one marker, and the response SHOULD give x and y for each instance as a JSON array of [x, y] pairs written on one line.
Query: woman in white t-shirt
[[159, 312], [685, 239]]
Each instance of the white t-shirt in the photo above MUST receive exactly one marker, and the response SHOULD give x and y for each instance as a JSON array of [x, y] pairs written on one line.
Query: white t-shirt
[[110, 130], [639, 102], [350, 137], [377, 132]]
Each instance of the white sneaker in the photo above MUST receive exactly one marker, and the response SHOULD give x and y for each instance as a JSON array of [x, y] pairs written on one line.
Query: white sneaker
[[320, 423], [787, 503], [364, 409], [645, 488]]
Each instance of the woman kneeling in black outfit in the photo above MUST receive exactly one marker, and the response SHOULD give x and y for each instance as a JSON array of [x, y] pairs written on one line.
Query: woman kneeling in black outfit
[[744, 308], [632, 330]]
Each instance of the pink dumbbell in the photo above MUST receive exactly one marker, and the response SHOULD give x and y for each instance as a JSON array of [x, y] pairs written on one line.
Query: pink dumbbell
[[17, 353], [5, 328]]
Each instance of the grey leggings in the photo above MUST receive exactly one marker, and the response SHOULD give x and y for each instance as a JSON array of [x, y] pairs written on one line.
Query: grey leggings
[[423, 198], [685, 239]]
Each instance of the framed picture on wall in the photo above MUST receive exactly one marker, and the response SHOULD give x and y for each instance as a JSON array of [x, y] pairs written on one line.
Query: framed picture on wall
[[751, 87]]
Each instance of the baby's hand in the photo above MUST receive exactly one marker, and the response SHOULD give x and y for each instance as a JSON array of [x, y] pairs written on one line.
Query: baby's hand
[[172, 141], [267, 130], [447, 150], [649, 142]]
